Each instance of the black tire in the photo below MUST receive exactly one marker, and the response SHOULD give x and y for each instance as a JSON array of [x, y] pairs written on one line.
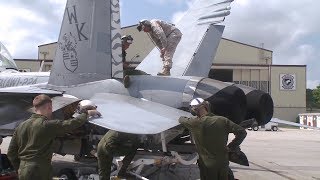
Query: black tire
[[274, 128], [255, 128], [68, 173]]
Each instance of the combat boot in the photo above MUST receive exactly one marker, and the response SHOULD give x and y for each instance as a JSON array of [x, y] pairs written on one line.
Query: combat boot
[[165, 72], [126, 81]]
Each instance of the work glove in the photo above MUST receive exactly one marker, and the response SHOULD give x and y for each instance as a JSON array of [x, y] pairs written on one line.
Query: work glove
[[88, 107], [85, 105], [94, 113]]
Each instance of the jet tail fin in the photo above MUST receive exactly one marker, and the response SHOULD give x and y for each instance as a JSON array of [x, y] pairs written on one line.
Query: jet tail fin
[[6, 61], [89, 45], [201, 62]]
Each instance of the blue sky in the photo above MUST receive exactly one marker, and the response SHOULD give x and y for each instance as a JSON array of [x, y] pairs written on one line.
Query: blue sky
[[132, 11], [289, 28]]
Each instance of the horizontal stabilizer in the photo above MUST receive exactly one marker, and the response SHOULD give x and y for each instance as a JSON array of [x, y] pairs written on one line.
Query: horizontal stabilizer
[[276, 120], [136, 116]]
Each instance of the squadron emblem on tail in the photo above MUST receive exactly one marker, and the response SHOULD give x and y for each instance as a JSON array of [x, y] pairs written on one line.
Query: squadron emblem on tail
[[68, 47]]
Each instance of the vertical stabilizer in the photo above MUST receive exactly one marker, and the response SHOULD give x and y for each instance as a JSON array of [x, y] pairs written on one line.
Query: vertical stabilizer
[[201, 62], [6, 61], [89, 45], [196, 28]]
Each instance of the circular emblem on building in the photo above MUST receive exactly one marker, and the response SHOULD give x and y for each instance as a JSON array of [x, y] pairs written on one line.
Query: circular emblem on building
[[288, 81]]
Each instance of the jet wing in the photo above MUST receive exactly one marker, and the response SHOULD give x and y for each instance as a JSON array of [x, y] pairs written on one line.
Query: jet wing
[[23, 95], [16, 101], [133, 115], [59, 99], [24, 90]]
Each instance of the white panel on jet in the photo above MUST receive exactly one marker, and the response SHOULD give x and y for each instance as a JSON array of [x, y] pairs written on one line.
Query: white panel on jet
[[136, 116]]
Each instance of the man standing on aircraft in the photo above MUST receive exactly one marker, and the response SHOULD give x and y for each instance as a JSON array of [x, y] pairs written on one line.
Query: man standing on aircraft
[[126, 41], [31, 147], [114, 144], [166, 37], [210, 134]]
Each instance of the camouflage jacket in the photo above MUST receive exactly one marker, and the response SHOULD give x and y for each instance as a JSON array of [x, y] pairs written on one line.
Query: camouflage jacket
[[161, 31], [210, 134], [33, 139]]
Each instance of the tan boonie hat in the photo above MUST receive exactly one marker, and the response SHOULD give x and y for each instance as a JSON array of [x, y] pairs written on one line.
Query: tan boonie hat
[[41, 100], [127, 38]]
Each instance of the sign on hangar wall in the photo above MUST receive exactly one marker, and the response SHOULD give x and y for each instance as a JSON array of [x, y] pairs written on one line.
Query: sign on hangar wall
[[288, 82]]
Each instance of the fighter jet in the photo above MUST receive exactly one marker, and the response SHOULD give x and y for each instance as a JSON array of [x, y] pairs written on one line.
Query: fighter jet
[[88, 65], [10, 76]]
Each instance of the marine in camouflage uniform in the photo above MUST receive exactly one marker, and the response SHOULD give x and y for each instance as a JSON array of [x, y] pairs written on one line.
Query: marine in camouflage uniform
[[210, 134], [166, 37], [126, 41], [115, 144], [32, 145]]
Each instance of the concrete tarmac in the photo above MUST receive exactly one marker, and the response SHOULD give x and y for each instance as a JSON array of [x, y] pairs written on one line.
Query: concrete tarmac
[[283, 155]]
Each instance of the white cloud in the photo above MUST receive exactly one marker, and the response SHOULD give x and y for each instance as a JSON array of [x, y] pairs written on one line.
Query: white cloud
[[312, 84], [59, 6], [297, 55], [278, 24], [25, 25], [285, 27], [178, 15], [242, 2]]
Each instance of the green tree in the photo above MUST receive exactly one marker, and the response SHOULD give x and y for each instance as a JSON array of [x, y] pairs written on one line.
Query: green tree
[[310, 100], [316, 96]]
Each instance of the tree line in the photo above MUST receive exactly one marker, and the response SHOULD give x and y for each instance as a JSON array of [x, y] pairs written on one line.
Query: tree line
[[313, 99]]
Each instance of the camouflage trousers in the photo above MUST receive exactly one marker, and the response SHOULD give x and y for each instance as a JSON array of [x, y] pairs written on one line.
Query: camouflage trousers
[[213, 172], [35, 170], [133, 72], [172, 43], [108, 149]]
